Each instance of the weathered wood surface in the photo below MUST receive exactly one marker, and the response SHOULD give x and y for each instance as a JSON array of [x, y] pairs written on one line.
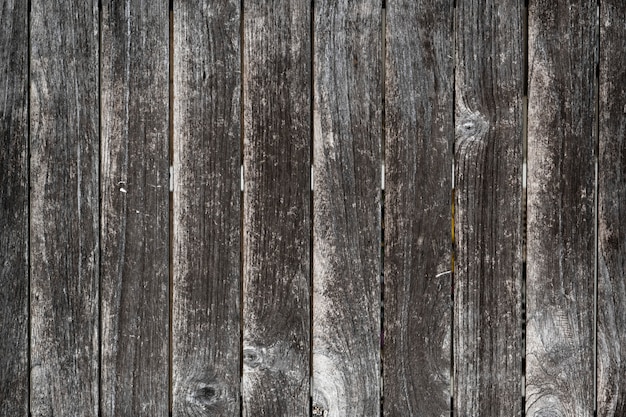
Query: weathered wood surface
[[346, 208], [488, 208], [611, 338], [277, 200], [561, 254], [65, 226], [206, 258], [418, 182], [14, 203], [135, 208]]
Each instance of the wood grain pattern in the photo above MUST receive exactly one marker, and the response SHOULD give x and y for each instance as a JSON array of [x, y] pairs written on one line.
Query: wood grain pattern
[[135, 208], [64, 230], [207, 138], [488, 214], [276, 224], [346, 208], [611, 340], [14, 209], [561, 208], [418, 182]]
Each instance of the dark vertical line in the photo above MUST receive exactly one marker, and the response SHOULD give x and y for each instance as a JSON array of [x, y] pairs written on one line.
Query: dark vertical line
[[452, 211], [596, 206], [524, 198], [241, 196], [100, 330], [311, 195], [383, 141], [170, 348], [28, 172]]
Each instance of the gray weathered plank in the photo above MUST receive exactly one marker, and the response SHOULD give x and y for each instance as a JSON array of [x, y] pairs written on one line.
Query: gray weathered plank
[[14, 372], [276, 221], [207, 215], [135, 208], [418, 182], [488, 217], [561, 141], [346, 206], [64, 230], [612, 211]]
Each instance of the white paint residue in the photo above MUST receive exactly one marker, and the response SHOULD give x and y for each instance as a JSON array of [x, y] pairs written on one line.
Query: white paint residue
[[123, 190], [442, 274]]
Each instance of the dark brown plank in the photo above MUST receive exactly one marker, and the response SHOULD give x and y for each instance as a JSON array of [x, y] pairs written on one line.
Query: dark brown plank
[[14, 322], [276, 222], [346, 206], [418, 182], [135, 208], [561, 254], [207, 215], [488, 217], [611, 338], [65, 227]]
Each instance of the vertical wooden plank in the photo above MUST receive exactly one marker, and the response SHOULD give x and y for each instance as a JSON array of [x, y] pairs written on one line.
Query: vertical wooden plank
[[276, 223], [346, 207], [207, 215], [14, 211], [418, 182], [611, 339], [488, 216], [135, 208], [64, 196], [561, 250]]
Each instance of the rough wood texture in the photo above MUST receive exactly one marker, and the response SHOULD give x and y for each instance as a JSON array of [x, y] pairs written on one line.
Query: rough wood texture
[[64, 230], [277, 226], [561, 252], [612, 211], [418, 184], [135, 208], [14, 322], [346, 204], [207, 215], [488, 216]]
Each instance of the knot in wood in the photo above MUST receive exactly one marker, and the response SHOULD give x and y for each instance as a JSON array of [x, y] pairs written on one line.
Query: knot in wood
[[252, 357], [319, 411], [204, 394], [471, 125]]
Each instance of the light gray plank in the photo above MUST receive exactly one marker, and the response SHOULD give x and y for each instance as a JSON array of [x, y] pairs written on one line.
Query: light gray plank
[[64, 197], [346, 208]]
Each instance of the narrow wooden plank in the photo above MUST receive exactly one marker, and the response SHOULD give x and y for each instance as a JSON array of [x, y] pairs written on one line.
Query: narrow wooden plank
[[346, 207], [135, 208], [207, 215], [64, 230], [14, 372], [418, 182], [561, 252], [488, 216], [611, 340], [276, 222]]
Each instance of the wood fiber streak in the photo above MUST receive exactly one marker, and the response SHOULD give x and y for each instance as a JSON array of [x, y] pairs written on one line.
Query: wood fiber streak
[[207, 215], [488, 210], [346, 204], [561, 145], [135, 208], [612, 211], [64, 229], [14, 211], [277, 231], [418, 181]]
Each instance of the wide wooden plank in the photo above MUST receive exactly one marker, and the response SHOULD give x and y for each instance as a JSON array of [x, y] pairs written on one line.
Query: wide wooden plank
[[276, 218], [14, 372], [562, 48], [65, 227], [418, 182], [135, 208], [346, 208], [611, 339], [207, 215], [488, 217]]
